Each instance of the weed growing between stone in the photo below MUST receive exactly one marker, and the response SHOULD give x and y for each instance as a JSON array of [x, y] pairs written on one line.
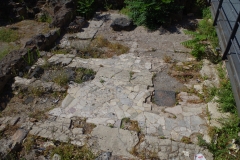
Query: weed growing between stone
[[59, 51], [167, 59], [36, 91], [186, 71], [129, 124], [69, 151], [186, 140], [40, 114], [61, 79], [66, 151], [221, 138], [45, 18], [100, 47]]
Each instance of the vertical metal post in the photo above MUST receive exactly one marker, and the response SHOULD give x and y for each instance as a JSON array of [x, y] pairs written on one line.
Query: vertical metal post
[[218, 11], [234, 31]]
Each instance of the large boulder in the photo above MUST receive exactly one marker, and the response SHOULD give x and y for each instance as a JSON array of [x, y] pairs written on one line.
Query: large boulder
[[44, 41], [76, 25], [122, 23], [64, 15]]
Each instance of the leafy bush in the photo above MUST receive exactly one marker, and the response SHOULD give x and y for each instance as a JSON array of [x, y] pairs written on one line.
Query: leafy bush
[[204, 34], [151, 13], [85, 8]]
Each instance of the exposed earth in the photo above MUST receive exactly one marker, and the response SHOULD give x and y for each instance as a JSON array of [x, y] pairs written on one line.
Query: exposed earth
[[146, 103]]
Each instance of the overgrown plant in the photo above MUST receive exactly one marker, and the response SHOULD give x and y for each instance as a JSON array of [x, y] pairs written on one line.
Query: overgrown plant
[[85, 8], [69, 151], [204, 38], [151, 13], [45, 18], [221, 138], [225, 95]]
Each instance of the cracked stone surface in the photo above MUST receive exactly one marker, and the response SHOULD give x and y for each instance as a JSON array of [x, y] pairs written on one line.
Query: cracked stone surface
[[59, 129], [123, 88], [118, 141]]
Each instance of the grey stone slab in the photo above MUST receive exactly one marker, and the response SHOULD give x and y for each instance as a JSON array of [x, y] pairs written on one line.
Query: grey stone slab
[[195, 122], [14, 120], [87, 34], [170, 123], [114, 140], [165, 98]]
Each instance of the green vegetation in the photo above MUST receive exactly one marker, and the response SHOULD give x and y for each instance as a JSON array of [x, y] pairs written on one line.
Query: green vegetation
[[186, 140], [131, 73], [204, 34], [85, 8], [5, 50], [30, 58], [69, 152], [60, 51], [222, 137], [45, 18], [102, 81], [115, 48], [151, 13], [36, 91], [102, 48], [8, 35], [61, 78], [226, 99], [81, 73]]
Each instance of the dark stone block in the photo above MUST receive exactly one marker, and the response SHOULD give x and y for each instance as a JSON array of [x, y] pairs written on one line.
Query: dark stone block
[[122, 23], [165, 98]]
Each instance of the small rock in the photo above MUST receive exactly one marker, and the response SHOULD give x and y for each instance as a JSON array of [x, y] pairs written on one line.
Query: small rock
[[186, 67], [77, 131], [18, 137], [2, 127], [56, 157], [76, 25], [179, 64], [122, 23], [47, 144], [41, 158], [33, 120], [29, 100], [118, 123], [104, 156], [14, 120]]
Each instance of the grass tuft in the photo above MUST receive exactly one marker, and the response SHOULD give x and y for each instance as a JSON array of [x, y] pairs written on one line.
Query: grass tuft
[[8, 35], [69, 152]]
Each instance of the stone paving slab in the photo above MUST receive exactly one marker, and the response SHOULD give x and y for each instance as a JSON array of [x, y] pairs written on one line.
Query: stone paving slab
[[59, 129], [118, 141], [176, 150]]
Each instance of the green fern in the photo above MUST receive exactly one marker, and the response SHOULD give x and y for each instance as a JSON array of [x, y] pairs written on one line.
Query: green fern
[[205, 32]]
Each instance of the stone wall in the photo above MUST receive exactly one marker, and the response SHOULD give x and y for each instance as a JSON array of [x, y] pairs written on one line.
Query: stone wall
[[16, 61]]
